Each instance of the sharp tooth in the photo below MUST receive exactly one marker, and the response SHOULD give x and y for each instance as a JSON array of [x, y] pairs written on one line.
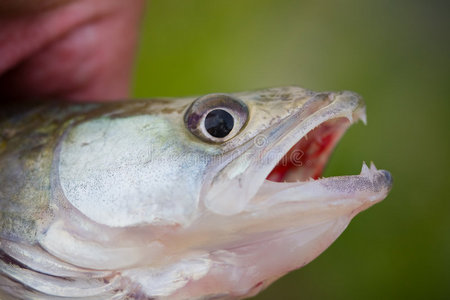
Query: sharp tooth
[[361, 114], [372, 167], [363, 118], [365, 169]]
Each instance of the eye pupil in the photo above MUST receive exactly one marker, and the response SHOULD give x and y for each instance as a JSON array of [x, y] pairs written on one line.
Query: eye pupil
[[219, 123]]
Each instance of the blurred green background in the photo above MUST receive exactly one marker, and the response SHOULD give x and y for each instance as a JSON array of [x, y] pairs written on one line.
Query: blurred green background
[[395, 54]]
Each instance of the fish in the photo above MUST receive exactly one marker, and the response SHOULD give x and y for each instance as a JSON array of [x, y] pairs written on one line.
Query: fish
[[210, 197]]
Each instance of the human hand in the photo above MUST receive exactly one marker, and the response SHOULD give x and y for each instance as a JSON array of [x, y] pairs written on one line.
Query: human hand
[[68, 49]]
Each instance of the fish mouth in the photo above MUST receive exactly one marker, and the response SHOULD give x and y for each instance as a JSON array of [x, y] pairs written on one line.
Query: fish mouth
[[296, 178], [286, 167]]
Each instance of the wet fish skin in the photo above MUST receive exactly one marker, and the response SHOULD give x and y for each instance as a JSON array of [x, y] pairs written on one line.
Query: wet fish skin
[[126, 201]]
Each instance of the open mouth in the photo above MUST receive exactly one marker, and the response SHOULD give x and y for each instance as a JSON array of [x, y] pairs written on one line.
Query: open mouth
[[296, 177], [308, 157]]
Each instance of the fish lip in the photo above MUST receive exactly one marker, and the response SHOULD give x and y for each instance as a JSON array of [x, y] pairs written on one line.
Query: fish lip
[[241, 187]]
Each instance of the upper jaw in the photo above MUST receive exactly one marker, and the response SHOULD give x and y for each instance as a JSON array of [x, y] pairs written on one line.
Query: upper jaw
[[236, 184]]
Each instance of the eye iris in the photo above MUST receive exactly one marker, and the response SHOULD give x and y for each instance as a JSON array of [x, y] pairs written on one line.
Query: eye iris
[[219, 123]]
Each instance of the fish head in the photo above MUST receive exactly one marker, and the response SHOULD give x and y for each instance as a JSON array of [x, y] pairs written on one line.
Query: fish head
[[265, 206], [214, 196]]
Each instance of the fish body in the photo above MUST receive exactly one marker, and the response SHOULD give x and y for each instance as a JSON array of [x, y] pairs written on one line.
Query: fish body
[[192, 198]]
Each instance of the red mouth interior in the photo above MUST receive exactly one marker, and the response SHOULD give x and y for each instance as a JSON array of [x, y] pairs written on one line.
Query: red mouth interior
[[308, 157]]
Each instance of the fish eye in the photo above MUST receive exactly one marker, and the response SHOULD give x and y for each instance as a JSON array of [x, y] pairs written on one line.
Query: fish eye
[[216, 118]]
